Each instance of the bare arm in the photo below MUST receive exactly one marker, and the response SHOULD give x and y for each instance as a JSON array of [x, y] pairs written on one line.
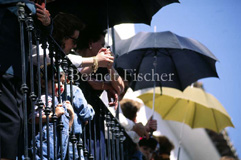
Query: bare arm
[[116, 80], [71, 113], [99, 85], [102, 58], [140, 130]]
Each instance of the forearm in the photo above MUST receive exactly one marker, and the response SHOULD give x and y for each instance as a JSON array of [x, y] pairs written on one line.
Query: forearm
[[87, 61], [116, 81], [71, 120], [86, 70], [99, 85]]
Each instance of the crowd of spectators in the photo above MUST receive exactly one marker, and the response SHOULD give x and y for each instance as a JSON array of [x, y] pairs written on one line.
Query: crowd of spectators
[[85, 48]]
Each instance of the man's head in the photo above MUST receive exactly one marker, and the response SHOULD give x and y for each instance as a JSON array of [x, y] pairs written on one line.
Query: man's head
[[66, 30], [130, 108]]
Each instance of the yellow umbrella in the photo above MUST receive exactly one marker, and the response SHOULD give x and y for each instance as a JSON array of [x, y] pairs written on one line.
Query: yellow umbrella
[[193, 106]]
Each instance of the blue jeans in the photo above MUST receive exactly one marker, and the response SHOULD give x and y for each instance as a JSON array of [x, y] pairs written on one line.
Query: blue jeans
[[76, 152], [65, 139]]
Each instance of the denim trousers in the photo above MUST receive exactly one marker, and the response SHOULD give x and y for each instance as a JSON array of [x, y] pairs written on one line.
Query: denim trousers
[[65, 139]]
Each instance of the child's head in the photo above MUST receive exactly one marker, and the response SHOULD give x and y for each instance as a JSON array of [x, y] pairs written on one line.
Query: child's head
[[130, 108], [147, 147], [49, 78]]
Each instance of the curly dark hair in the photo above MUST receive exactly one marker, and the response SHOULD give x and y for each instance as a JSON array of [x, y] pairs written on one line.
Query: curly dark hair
[[64, 26]]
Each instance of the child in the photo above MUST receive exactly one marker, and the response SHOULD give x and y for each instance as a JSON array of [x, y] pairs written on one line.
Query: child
[[147, 147], [79, 113], [63, 111]]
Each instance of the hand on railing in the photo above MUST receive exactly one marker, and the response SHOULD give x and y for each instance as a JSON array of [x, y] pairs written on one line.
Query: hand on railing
[[59, 110]]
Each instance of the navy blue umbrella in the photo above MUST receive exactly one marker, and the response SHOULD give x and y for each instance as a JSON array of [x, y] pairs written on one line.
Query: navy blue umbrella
[[164, 58]]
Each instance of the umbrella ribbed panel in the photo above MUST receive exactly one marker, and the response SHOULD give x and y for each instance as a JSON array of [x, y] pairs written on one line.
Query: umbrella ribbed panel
[[171, 108], [194, 114], [215, 120], [176, 73]]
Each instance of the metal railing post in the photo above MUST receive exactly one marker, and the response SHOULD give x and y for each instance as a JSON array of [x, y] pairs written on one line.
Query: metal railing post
[[29, 24], [54, 117], [108, 124], [47, 109], [71, 78], [24, 87], [117, 135], [39, 100], [113, 139], [84, 143], [60, 125], [79, 146], [122, 137]]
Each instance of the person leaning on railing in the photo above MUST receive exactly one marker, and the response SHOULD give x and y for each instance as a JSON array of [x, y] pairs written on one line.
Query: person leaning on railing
[[66, 33], [11, 112], [90, 44], [90, 48]]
